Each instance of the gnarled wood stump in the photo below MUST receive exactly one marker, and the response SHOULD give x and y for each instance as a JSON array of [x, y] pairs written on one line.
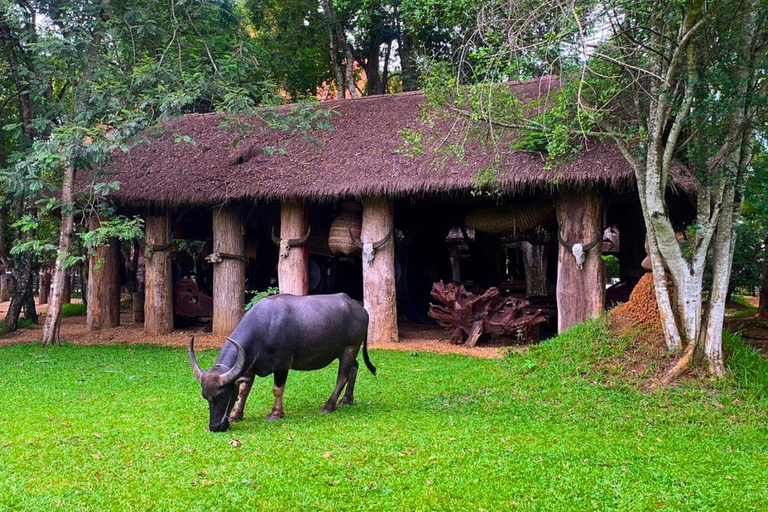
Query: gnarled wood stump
[[471, 315]]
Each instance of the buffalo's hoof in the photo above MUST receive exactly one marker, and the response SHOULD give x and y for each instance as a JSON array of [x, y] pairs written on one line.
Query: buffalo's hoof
[[347, 400], [275, 415], [328, 408], [236, 417]]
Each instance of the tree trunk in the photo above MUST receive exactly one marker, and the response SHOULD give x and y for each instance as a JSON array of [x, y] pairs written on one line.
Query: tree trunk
[[158, 302], [292, 270], [580, 292], [21, 293], [103, 290], [66, 297], [379, 275], [5, 286], [535, 263], [763, 307], [30, 312], [53, 317], [45, 288], [229, 273]]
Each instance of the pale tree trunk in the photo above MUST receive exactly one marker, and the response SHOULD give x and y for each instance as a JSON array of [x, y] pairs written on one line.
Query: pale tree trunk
[[53, 317], [763, 308]]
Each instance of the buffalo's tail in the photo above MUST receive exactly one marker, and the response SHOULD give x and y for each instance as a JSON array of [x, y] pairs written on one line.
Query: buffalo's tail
[[367, 359]]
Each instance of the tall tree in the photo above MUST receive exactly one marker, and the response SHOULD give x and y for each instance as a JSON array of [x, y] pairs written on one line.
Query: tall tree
[[678, 84]]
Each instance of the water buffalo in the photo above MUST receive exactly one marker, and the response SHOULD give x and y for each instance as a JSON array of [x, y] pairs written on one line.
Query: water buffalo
[[282, 333]]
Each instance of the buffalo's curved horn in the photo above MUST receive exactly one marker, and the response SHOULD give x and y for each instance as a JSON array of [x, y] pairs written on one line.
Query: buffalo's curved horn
[[384, 240], [293, 242], [275, 240], [356, 241], [193, 361], [563, 242], [589, 246], [234, 372]]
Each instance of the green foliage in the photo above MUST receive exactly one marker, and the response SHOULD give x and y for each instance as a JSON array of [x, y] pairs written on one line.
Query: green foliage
[[412, 145], [121, 227], [542, 429], [257, 296], [612, 268], [73, 309]]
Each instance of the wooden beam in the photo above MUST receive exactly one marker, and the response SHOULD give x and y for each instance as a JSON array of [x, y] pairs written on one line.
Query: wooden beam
[[379, 275], [292, 270], [580, 293], [229, 273], [158, 302], [103, 291]]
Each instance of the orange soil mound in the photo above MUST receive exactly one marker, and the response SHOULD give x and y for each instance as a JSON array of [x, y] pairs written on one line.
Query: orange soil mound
[[641, 308]]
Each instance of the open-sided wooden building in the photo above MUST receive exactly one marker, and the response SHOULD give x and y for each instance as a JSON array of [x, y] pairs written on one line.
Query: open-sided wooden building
[[394, 178]]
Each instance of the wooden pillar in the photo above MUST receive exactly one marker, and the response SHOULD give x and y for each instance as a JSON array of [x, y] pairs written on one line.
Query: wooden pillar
[[45, 288], [103, 288], [292, 270], [535, 264], [158, 302], [379, 275], [229, 273], [580, 293]]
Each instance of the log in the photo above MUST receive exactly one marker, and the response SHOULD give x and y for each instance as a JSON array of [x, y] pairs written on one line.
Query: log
[[292, 271], [45, 288], [379, 275], [580, 293], [229, 272], [465, 313], [103, 289], [158, 300]]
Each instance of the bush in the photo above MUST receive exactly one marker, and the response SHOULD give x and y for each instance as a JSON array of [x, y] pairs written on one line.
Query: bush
[[73, 309]]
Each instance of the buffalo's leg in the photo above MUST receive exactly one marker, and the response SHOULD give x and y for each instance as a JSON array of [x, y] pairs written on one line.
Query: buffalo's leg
[[277, 410], [346, 363], [349, 392], [242, 396]]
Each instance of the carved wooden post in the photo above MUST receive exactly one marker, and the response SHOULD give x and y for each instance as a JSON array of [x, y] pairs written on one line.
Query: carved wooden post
[[158, 303], [45, 288], [103, 289], [379, 275], [580, 292], [292, 270], [229, 271]]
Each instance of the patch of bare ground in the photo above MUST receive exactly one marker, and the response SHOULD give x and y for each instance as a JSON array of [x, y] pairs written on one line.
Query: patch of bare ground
[[413, 338]]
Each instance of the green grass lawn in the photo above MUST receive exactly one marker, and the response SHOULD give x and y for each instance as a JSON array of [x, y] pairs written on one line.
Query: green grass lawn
[[125, 428]]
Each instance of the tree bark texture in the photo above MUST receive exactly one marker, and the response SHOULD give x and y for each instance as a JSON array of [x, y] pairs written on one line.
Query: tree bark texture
[[580, 293], [103, 290], [229, 273], [5, 287], [45, 288], [379, 275], [292, 270], [158, 302], [763, 307], [53, 317], [535, 263]]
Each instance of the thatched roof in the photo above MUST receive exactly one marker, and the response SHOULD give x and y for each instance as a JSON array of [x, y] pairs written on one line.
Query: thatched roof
[[193, 161]]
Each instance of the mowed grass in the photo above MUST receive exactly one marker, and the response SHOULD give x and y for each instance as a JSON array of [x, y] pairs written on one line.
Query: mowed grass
[[124, 428]]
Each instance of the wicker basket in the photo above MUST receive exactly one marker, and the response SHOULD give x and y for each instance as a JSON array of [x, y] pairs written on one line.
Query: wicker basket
[[510, 219], [350, 218]]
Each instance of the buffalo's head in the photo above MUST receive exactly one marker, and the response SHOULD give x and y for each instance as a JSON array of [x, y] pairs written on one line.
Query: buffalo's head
[[220, 386]]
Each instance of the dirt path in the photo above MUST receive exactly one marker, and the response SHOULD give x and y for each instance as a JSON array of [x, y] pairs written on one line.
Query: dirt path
[[413, 337]]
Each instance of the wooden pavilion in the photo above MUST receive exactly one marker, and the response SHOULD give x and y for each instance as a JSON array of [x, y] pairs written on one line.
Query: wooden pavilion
[[414, 179]]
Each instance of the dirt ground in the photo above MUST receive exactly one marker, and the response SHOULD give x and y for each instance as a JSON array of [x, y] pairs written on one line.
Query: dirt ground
[[413, 337]]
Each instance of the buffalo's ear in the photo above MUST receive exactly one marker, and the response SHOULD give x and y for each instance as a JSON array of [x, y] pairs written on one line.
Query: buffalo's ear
[[241, 380]]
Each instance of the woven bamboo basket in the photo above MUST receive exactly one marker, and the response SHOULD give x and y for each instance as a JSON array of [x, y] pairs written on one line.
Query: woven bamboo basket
[[350, 218], [510, 219]]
